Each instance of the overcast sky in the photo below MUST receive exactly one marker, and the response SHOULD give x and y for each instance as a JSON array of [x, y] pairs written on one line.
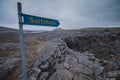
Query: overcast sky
[[72, 14]]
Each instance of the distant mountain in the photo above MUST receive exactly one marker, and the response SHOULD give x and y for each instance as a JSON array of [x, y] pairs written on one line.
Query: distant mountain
[[103, 28], [5, 29]]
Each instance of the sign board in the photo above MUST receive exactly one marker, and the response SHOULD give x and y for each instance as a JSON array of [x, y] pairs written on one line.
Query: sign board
[[39, 21]]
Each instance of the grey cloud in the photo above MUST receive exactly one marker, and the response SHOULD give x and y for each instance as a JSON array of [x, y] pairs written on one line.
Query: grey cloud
[[70, 13]]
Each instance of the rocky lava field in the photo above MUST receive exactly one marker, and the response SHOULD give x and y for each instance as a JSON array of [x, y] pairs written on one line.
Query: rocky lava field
[[68, 55]]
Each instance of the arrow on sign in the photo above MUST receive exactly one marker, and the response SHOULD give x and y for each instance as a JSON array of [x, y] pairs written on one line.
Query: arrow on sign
[[40, 21]]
